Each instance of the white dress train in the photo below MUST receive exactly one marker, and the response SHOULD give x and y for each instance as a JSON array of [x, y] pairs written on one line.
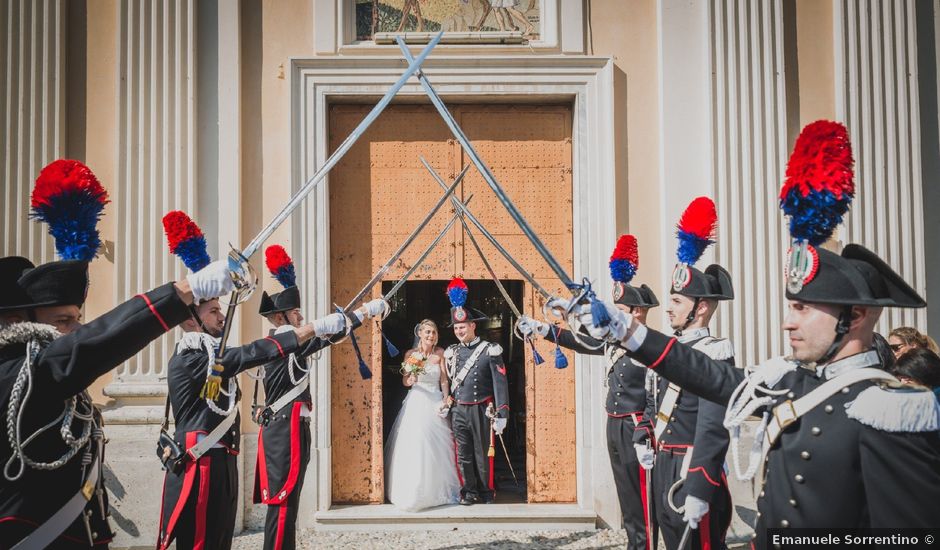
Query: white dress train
[[420, 465]]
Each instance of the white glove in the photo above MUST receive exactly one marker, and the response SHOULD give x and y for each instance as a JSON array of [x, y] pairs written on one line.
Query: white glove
[[212, 281], [645, 455], [374, 308], [528, 326], [499, 424], [329, 325], [695, 510], [558, 304], [615, 331]]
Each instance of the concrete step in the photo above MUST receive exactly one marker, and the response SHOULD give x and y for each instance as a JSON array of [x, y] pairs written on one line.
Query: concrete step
[[385, 517]]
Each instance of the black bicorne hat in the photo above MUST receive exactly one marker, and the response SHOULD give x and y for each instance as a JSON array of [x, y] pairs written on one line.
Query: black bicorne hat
[[857, 277], [633, 296], [713, 284], [61, 283], [12, 296], [286, 300], [465, 315]]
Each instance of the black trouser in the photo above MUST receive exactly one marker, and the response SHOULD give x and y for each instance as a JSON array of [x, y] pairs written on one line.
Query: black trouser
[[280, 523], [471, 429], [208, 515], [713, 526], [629, 478]]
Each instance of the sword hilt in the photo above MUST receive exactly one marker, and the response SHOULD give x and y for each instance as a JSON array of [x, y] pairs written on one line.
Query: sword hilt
[[243, 275]]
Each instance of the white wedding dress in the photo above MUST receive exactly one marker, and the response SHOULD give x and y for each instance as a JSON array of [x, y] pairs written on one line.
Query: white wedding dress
[[420, 464]]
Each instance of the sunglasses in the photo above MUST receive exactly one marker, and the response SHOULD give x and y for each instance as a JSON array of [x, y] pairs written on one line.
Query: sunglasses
[[895, 347]]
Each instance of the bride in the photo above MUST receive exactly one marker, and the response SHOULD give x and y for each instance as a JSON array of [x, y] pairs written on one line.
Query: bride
[[420, 464]]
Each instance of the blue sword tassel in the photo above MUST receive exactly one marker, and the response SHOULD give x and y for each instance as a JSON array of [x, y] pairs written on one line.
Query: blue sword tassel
[[598, 312], [364, 371], [561, 362], [392, 350], [535, 353]]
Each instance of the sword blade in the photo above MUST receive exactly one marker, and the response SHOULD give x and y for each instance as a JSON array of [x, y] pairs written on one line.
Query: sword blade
[[486, 173], [685, 537], [427, 252], [508, 462], [414, 65], [401, 249], [489, 236]]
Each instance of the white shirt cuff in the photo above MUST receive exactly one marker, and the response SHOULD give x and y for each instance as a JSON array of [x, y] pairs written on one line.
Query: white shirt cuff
[[637, 339]]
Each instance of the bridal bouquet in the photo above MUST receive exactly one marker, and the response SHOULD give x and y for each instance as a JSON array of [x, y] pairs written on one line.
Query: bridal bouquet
[[414, 364]]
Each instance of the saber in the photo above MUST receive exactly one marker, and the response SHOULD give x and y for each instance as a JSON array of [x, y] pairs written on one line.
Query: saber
[[401, 249], [489, 236], [685, 536], [241, 271], [650, 529], [491, 413], [424, 255], [487, 174], [414, 65]]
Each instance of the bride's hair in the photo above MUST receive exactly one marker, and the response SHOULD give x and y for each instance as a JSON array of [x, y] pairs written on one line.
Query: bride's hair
[[417, 331]]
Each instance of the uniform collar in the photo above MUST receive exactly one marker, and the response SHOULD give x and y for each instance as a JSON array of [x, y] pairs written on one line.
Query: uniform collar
[[858, 361], [472, 343], [694, 334]]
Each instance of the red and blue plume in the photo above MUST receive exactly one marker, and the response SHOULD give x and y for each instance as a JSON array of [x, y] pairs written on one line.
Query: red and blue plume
[[625, 259], [186, 240], [819, 183], [457, 292], [280, 265], [696, 229], [69, 198]]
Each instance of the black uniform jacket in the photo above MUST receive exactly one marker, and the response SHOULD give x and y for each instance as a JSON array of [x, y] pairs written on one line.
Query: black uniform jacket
[[65, 368], [186, 375], [827, 469], [696, 423], [486, 379], [626, 390], [278, 464]]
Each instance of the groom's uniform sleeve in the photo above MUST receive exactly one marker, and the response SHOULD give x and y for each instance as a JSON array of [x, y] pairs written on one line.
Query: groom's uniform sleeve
[[500, 382]]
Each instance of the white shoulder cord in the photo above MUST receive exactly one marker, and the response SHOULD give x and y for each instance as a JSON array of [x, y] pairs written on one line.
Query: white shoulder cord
[[294, 363], [201, 340], [22, 388], [743, 403]]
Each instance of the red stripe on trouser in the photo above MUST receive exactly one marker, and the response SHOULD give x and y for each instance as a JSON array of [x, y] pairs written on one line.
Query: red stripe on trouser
[[202, 504], [646, 506], [492, 459], [281, 521], [457, 463], [704, 533]]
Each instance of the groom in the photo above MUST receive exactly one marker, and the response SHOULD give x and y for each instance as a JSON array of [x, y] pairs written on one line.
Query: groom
[[477, 378]]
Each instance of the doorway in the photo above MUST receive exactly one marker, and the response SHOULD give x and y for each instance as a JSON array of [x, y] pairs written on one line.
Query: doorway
[[378, 193], [418, 300]]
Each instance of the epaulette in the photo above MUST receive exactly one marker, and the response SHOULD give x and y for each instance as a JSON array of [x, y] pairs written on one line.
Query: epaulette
[[495, 350], [449, 352], [718, 349], [770, 371], [892, 407], [21, 333]]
